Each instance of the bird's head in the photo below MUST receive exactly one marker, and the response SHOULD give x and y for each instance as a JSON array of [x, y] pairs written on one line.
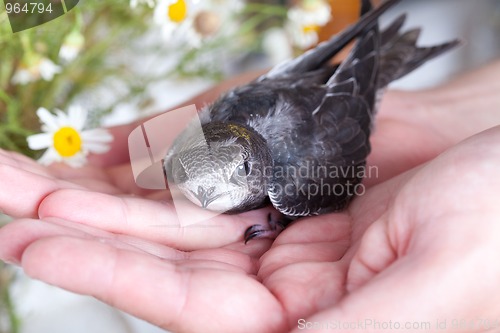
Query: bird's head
[[223, 169]]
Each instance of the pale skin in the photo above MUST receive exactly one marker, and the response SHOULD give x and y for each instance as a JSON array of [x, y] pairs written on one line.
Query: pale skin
[[420, 245]]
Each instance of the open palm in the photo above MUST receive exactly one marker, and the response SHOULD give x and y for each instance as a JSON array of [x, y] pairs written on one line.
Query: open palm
[[93, 232]]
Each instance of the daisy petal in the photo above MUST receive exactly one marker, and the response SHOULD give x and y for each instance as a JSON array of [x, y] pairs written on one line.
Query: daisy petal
[[96, 140], [49, 157], [39, 141], [98, 135], [49, 121], [96, 148], [62, 119], [76, 161], [65, 138], [77, 117]]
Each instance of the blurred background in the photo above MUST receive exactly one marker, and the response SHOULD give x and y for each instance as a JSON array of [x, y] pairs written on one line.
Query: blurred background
[[122, 60]]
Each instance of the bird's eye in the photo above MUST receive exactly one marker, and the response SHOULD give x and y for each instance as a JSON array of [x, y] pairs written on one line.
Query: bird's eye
[[241, 171]]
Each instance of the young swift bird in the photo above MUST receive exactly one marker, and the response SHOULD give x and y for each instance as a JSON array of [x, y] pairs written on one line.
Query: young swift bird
[[297, 136]]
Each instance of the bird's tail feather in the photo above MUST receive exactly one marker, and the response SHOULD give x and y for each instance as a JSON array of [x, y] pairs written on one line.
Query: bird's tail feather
[[380, 57], [400, 54], [322, 54]]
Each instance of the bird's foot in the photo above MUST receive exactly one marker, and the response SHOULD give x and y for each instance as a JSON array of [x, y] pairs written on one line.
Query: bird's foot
[[271, 231]]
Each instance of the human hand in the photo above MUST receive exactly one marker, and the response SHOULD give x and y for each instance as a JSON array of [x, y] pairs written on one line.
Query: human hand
[[428, 256], [427, 260], [118, 205], [309, 253]]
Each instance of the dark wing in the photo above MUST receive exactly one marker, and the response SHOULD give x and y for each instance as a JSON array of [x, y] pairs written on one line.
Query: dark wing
[[318, 133], [324, 160], [324, 170], [331, 153]]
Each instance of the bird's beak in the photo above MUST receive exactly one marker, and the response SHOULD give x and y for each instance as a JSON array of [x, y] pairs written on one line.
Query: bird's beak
[[205, 196]]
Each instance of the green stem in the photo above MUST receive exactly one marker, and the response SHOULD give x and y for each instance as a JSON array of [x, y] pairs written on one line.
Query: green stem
[[4, 97], [13, 319], [6, 300]]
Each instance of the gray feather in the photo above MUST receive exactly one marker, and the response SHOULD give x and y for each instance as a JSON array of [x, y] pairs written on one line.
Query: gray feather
[[307, 115]]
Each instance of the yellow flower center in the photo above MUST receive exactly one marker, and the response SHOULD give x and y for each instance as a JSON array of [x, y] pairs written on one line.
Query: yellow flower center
[[67, 141], [177, 11], [310, 28]]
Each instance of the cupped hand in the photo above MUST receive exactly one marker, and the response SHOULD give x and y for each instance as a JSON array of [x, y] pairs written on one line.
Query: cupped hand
[[104, 194], [423, 237], [419, 248], [429, 261]]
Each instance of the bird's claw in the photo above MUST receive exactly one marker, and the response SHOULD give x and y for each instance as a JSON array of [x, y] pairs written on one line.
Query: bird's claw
[[260, 231]]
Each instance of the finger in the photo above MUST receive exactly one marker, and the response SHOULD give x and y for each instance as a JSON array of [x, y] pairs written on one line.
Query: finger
[[386, 286], [286, 255], [175, 298], [317, 229], [428, 245], [308, 287], [88, 177], [254, 249], [92, 177], [440, 276], [114, 180], [315, 239], [122, 177], [398, 146], [22, 191], [18, 234], [152, 220], [63, 171], [303, 267], [377, 250], [117, 179], [20, 161]]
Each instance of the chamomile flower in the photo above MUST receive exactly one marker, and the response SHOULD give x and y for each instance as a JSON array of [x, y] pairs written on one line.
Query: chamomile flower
[[172, 16], [305, 20], [66, 139], [72, 45], [195, 21], [34, 67]]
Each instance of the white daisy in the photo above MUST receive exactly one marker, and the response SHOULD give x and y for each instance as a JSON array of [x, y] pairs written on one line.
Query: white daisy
[[305, 20], [195, 20], [65, 138], [173, 16], [33, 68], [72, 45]]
